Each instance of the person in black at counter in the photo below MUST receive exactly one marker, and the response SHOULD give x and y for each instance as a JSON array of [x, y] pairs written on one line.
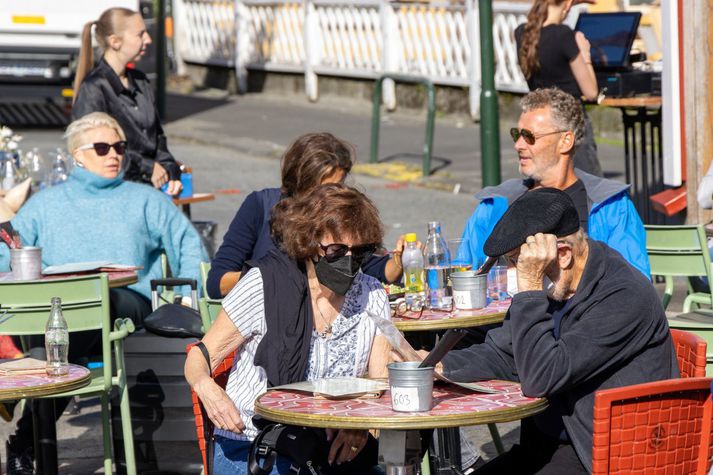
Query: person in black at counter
[[598, 324], [550, 54], [125, 94]]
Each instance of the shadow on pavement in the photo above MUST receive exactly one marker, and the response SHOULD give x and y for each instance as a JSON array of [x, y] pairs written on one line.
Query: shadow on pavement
[[179, 106]]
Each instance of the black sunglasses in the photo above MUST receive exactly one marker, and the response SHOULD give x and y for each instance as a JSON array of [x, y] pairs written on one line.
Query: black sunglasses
[[102, 148], [529, 136], [332, 252]]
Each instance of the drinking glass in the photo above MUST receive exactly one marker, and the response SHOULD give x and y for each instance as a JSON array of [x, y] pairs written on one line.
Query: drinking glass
[[460, 255]]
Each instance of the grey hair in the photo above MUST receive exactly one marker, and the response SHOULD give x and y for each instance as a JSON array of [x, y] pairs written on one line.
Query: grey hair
[[566, 112], [577, 241], [91, 121]]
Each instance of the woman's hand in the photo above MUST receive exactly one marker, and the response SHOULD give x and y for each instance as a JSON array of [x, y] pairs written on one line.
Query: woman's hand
[[159, 176], [219, 407], [346, 445], [174, 187], [394, 268]]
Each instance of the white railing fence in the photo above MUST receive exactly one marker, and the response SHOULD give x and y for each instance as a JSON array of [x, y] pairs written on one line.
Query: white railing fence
[[359, 39]]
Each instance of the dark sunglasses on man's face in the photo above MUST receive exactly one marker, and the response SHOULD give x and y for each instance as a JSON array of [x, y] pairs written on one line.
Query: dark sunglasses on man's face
[[332, 252], [529, 136], [102, 148]]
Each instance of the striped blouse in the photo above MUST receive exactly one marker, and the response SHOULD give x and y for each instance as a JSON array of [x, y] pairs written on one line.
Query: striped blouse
[[343, 353]]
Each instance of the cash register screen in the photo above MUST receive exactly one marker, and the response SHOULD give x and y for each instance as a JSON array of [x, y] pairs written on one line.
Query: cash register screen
[[611, 36]]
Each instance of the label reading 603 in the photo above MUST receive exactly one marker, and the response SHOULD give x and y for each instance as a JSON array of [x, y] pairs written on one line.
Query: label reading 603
[[404, 399]]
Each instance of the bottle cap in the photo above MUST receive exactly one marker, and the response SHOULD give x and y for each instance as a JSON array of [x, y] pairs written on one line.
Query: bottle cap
[[411, 237]]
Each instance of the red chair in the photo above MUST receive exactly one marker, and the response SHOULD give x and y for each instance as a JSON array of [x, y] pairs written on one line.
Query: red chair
[[690, 352], [657, 428], [204, 426]]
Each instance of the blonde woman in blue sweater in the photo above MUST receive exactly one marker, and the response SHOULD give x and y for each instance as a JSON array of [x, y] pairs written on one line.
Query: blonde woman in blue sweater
[[97, 216]]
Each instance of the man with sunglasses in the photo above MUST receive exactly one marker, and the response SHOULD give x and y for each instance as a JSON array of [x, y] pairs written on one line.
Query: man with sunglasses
[[550, 129], [572, 330]]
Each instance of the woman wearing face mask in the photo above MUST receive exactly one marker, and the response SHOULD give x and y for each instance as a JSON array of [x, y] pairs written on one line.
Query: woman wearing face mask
[[550, 54], [125, 94], [300, 312]]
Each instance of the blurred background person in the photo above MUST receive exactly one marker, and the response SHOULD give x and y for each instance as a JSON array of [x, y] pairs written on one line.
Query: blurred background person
[[550, 54], [125, 93]]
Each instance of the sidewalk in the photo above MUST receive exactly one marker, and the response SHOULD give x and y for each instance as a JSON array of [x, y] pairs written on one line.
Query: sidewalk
[[264, 124]]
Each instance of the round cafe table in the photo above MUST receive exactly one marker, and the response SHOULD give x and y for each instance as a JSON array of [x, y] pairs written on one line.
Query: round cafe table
[[399, 442], [438, 320], [21, 386]]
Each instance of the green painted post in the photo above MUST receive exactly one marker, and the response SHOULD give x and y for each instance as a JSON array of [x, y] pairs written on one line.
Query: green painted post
[[430, 117], [489, 120]]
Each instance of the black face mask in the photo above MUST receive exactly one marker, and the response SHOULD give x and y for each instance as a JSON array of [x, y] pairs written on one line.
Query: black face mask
[[337, 275]]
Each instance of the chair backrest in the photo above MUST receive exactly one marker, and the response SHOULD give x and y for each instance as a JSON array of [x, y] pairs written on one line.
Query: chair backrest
[[204, 269], [25, 307], [654, 428], [204, 426], [678, 250], [209, 309], [690, 352]]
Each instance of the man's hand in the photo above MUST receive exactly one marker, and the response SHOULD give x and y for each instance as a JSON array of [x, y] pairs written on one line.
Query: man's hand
[[538, 252], [346, 445], [159, 176]]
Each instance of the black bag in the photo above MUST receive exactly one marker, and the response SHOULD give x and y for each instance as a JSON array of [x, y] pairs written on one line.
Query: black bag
[[174, 320], [307, 448]]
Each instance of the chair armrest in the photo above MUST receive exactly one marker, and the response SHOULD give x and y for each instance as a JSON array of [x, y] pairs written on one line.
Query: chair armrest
[[123, 328]]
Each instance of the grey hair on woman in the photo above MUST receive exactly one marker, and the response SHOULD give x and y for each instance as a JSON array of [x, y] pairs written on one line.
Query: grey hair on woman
[[91, 121]]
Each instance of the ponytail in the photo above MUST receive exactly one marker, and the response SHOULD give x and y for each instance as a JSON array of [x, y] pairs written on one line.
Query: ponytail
[[528, 55], [86, 58]]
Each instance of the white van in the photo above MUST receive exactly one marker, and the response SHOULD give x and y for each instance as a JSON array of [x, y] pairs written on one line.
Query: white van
[[40, 40]]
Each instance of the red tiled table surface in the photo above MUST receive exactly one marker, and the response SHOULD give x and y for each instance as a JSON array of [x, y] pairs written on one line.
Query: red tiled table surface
[[34, 385], [452, 407], [433, 320]]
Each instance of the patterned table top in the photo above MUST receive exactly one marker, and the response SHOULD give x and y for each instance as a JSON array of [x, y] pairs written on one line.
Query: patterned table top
[[32, 385], [452, 407], [434, 320]]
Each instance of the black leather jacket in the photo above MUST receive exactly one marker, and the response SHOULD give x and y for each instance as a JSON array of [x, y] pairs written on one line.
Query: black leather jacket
[[135, 110]]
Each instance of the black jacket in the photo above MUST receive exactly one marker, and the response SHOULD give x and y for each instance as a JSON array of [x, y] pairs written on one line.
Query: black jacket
[[614, 333], [284, 350], [134, 108]]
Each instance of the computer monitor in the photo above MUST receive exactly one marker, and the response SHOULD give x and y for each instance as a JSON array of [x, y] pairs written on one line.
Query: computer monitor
[[611, 36]]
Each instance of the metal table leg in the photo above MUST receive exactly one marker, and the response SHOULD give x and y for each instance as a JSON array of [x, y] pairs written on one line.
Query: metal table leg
[[46, 430], [399, 451]]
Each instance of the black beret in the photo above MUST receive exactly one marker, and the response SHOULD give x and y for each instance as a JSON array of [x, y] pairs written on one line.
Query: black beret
[[543, 210]]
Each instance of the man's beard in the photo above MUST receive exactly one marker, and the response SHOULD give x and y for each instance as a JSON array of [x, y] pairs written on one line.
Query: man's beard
[[559, 289]]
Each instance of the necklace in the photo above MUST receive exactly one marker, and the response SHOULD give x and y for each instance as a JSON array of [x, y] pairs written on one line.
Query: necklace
[[327, 326]]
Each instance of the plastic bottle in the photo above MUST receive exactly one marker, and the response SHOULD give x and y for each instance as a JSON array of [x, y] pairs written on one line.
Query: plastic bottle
[[57, 340], [437, 260], [412, 261], [60, 171]]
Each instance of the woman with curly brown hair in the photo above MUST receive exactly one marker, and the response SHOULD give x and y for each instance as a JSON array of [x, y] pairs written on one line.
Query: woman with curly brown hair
[[313, 159], [550, 54], [301, 312]]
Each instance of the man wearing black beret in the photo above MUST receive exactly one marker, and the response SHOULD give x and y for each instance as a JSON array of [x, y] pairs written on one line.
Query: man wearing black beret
[[547, 135], [584, 320]]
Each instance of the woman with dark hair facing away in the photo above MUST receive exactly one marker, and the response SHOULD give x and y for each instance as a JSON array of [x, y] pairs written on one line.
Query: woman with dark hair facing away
[[125, 94], [300, 312], [313, 159], [550, 54]]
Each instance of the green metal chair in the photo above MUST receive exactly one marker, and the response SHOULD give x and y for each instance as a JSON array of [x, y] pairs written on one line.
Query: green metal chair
[[680, 251], [25, 307], [209, 310], [204, 269]]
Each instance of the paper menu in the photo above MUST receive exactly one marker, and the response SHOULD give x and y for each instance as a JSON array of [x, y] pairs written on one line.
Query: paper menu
[[23, 366], [75, 267], [406, 351], [338, 387]]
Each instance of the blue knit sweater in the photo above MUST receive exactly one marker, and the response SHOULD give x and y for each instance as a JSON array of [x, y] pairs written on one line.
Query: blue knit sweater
[[91, 218]]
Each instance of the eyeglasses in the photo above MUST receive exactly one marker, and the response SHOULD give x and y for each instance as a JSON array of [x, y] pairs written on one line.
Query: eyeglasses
[[529, 136], [332, 252], [102, 148]]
